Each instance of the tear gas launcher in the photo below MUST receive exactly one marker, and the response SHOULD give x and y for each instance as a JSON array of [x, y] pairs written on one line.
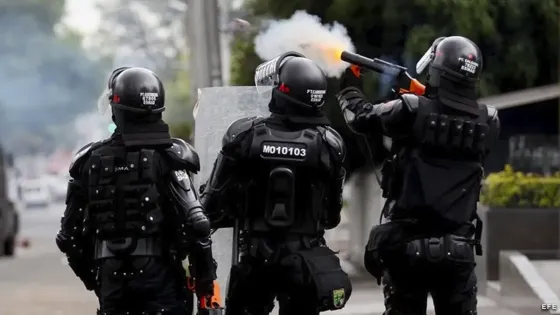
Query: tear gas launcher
[[404, 82]]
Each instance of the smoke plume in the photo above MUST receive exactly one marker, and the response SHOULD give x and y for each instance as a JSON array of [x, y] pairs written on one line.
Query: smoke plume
[[304, 33], [44, 81]]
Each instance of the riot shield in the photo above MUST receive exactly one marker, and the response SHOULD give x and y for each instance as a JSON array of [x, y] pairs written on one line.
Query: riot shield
[[217, 108]]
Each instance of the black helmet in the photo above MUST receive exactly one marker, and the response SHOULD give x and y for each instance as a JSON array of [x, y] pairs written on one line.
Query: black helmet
[[299, 84], [455, 67], [458, 59], [137, 90]]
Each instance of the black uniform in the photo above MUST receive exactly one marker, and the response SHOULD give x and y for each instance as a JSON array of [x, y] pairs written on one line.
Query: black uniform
[[432, 184], [132, 214], [279, 180]]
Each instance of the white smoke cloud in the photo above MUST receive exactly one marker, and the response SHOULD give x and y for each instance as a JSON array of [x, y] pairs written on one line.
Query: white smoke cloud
[[304, 33]]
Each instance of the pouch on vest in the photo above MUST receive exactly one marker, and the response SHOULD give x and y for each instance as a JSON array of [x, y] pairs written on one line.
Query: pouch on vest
[[280, 198], [331, 284]]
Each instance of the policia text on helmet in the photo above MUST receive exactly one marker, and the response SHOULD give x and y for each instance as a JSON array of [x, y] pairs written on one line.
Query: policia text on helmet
[[136, 95], [455, 64]]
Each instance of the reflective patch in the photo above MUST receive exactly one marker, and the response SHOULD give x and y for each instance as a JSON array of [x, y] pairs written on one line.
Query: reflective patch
[[181, 175], [284, 150], [339, 298]]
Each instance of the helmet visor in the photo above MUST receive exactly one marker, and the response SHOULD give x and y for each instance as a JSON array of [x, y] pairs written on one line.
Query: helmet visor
[[428, 57], [103, 102], [266, 74]]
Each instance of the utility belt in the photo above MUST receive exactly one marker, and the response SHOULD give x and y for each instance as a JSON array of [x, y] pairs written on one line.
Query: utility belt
[[179, 310], [270, 250], [128, 246], [450, 247], [389, 242]]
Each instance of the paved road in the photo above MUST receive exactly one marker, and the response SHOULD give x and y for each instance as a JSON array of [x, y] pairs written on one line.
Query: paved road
[[37, 282]]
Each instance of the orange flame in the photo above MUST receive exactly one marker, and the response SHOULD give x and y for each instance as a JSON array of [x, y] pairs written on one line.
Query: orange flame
[[331, 53]]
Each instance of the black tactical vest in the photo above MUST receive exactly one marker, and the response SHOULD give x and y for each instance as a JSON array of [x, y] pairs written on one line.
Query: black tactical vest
[[288, 190], [123, 196], [441, 168]]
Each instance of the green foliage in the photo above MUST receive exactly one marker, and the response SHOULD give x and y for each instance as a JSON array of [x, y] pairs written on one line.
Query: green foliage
[[182, 131], [513, 189], [243, 58], [179, 107]]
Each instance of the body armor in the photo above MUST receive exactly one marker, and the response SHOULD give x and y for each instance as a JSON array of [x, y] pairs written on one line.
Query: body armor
[[439, 172], [294, 165], [124, 203]]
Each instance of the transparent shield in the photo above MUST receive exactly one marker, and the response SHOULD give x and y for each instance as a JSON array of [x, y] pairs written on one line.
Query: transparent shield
[[428, 57], [218, 107], [103, 102], [196, 105]]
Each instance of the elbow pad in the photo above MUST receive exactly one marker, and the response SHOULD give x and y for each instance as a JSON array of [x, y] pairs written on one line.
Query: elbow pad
[[199, 224], [217, 184], [195, 224]]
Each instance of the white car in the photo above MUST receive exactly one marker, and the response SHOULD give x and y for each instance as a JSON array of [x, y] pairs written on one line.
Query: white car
[[35, 193], [58, 186]]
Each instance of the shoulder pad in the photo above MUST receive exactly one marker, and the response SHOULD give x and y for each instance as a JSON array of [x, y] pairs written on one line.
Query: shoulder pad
[[492, 112], [183, 156], [410, 101], [335, 142], [81, 157], [239, 127]]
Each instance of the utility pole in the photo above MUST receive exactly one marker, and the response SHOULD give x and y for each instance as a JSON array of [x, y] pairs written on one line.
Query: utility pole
[[225, 7], [204, 44], [213, 41]]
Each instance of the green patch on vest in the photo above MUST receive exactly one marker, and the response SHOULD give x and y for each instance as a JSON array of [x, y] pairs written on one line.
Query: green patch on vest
[[339, 298]]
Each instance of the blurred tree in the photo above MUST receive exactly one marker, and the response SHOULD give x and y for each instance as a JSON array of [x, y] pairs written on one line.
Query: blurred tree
[[150, 33], [45, 80], [519, 39], [182, 131], [178, 113]]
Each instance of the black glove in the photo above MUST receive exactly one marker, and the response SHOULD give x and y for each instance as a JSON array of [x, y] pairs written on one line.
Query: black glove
[[203, 269], [351, 78], [84, 272], [204, 287], [61, 241], [350, 101]]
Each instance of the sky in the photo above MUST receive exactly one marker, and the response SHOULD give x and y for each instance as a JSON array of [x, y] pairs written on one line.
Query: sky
[[82, 15]]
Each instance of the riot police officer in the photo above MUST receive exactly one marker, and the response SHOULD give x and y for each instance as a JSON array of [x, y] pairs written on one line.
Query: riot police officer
[[132, 214], [279, 179], [431, 182]]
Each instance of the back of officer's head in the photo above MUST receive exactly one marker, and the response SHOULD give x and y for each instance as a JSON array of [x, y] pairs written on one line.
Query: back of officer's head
[[301, 88], [137, 96]]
